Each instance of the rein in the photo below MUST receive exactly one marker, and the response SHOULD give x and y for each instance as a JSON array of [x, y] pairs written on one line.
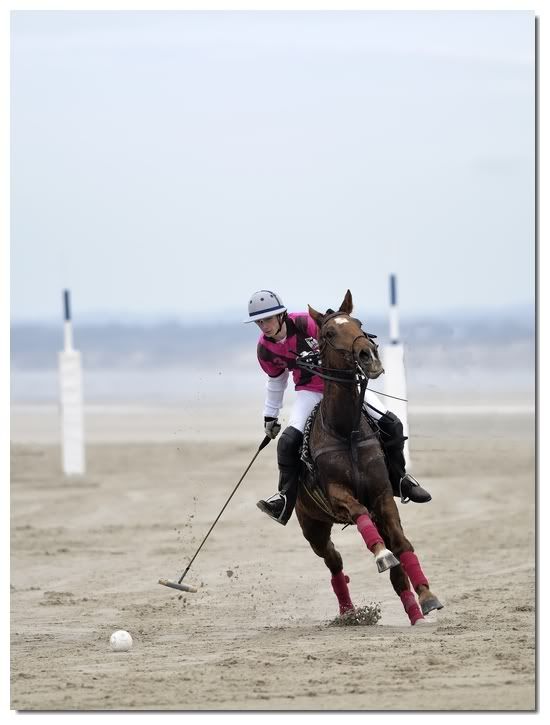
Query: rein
[[310, 361]]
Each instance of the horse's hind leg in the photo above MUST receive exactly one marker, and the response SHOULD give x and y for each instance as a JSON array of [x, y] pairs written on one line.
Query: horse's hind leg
[[318, 535], [387, 518], [400, 583], [411, 565]]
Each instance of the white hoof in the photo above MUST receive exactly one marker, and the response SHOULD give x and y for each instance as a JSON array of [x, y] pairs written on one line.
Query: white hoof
[[385, 560]]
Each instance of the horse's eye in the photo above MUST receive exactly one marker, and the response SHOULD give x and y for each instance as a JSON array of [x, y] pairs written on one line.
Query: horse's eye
[[329, 333]]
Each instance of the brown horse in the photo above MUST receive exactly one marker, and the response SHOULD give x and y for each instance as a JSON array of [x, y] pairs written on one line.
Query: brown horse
[[349, 482]]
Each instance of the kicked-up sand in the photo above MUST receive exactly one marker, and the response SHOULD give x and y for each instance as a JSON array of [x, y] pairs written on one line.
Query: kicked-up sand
[[87, 553]]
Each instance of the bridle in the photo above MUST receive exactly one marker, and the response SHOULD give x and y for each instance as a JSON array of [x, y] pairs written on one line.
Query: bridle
[[352, 376], [325, 340]]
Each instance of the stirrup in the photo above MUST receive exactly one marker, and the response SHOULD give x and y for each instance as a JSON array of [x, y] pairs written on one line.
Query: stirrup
[[414, 483], [272, 505]]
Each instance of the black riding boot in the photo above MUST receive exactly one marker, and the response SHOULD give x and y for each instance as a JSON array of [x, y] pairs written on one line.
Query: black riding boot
[[393, 443], [281, 505]]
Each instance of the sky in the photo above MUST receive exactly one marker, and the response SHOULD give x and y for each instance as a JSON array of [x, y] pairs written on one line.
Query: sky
[[168, 164]]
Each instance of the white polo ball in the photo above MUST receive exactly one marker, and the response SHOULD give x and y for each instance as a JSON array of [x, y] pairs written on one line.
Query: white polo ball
[[121, 641]]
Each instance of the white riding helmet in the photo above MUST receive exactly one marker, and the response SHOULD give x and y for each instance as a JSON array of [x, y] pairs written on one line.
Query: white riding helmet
[[264, 304]]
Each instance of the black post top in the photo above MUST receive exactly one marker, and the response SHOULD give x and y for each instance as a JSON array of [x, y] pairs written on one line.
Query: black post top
[[67, 304], [393, 289]]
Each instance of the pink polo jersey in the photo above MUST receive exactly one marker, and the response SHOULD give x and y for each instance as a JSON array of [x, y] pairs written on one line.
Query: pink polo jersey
[[276, 357]]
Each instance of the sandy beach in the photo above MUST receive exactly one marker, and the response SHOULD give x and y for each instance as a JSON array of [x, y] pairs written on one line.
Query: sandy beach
[[194, 190], [87, 553]]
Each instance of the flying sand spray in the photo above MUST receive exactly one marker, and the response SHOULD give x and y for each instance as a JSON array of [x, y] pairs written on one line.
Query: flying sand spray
[[189, 587]]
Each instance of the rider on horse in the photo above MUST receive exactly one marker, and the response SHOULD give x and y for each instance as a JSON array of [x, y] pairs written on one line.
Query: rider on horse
[[284, 338]]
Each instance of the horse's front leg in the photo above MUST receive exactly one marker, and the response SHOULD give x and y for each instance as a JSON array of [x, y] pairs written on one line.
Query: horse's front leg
[[318, 535], [347, 507], [386, 515]]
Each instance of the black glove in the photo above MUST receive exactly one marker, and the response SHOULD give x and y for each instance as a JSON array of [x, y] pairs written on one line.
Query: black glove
[[271, 427]]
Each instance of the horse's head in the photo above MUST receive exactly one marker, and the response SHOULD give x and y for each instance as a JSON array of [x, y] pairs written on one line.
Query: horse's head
[[343, 343]]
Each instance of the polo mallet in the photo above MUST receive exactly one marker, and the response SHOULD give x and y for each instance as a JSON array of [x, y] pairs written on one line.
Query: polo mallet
[[189, 587]]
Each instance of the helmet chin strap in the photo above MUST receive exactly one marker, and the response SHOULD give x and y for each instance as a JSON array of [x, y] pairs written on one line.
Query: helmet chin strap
[[282, 320]]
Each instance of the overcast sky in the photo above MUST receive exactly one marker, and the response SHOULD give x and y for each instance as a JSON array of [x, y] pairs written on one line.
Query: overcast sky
[[169, 164]]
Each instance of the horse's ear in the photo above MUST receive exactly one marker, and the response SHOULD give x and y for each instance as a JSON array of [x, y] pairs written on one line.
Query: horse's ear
[[347, 304], [317, 316]]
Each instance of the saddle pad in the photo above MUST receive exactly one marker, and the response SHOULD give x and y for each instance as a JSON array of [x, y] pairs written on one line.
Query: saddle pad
[[305, 454], [308, 480]]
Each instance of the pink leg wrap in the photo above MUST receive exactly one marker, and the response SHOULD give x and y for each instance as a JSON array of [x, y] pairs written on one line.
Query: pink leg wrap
[[411, 607], [368, 531], [412, 568], [340, 586]]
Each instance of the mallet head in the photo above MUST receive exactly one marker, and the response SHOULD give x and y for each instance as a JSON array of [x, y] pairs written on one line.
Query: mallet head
[[176, 585]]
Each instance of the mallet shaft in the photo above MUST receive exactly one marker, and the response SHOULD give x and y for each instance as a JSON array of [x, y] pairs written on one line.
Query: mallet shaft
[[262, 445]]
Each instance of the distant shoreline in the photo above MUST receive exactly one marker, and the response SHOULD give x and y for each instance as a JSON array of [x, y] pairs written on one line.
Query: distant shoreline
[[241, 423]]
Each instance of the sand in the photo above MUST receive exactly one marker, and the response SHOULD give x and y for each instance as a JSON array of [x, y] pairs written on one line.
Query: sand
[[87, 552]]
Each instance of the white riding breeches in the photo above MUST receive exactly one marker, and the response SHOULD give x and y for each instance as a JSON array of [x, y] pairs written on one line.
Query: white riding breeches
[[306, 400]]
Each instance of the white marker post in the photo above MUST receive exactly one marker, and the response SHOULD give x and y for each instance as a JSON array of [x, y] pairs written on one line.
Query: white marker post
[[70, 384], [393, 360]]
